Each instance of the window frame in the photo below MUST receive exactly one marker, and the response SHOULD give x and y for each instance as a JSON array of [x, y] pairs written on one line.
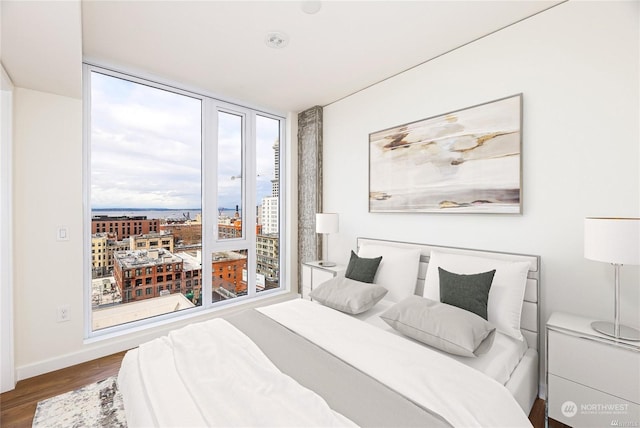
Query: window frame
[[210, 106]]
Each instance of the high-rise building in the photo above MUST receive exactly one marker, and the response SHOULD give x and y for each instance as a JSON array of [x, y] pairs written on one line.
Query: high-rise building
[[267, 250], [270, 217], [275, 183], [269, 212]]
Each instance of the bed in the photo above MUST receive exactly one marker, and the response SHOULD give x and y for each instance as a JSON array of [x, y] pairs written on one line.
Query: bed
[[306, 363]]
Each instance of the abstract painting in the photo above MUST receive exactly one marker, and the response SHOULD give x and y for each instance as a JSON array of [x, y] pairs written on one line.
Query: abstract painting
[[465, 161]]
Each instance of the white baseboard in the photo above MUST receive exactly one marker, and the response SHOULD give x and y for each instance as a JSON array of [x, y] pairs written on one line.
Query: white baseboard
[[63, 361]]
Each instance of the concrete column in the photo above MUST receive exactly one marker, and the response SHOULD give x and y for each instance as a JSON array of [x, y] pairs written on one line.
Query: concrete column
[[309, 184]]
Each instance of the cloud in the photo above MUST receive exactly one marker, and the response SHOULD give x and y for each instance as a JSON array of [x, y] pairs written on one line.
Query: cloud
[[146, 149]]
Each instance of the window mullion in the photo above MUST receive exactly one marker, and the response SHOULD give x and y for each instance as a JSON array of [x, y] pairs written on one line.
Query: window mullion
[[86, 198], [252, 203], [209, 194]]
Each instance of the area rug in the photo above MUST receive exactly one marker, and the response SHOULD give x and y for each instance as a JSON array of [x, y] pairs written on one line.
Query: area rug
[[96, 405]]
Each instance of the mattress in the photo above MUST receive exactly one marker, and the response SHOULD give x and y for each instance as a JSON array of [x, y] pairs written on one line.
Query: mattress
[[498, 363]]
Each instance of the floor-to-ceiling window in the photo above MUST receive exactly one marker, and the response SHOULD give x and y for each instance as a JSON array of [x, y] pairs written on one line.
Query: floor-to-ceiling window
[[183, 200]]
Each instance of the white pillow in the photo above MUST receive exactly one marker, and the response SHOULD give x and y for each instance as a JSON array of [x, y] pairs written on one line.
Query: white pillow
[[504, 308], [348, 295], [398, 270], [449, 328]]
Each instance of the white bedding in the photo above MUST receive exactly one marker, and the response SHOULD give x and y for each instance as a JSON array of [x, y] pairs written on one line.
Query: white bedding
[[503, 357], [213, 375], [461, 395], [197, 369]]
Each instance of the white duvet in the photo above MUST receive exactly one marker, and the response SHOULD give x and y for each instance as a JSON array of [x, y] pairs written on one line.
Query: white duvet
[[211, 374], [460, 394]]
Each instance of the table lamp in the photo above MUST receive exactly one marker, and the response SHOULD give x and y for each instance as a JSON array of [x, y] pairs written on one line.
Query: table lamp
[[615, 241], [326, 223]]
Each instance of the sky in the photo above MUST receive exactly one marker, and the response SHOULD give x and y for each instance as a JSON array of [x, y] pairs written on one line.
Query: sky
[[146, 149]]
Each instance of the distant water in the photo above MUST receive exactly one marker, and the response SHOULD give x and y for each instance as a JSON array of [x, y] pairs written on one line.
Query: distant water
[[151, 213]]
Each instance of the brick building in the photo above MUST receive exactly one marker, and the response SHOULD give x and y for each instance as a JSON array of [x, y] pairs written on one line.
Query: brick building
[[228, 275], [143, 275], [185, 232], [192, 275], [124, 226]]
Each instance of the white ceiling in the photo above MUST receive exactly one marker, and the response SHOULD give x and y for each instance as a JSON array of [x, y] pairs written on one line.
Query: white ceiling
[[41, 45], [219, 46]]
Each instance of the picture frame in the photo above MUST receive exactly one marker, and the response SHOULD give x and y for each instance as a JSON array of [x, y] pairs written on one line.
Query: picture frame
[[464, 161]]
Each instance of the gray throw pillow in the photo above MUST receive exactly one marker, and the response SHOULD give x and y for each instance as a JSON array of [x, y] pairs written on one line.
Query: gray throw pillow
[[469, 292], [347, 295], [362, 269], [442, 326]]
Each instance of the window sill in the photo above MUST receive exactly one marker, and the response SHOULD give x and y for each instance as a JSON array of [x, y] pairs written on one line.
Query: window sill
[[169, 322]]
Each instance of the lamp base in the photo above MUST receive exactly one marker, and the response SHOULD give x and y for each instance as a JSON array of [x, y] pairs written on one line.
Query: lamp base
[[326, 263], [608, 328]]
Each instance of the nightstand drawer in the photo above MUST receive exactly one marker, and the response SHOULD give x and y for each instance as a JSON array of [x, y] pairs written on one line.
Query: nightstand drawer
[[320, 276], [580, 406], [594, 364]]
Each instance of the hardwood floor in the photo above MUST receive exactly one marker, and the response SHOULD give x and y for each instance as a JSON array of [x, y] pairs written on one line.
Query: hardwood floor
[[17, 407], [537, 416]]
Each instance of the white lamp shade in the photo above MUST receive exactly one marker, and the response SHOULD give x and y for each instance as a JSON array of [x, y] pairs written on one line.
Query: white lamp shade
[[612, 240], [326, 223]]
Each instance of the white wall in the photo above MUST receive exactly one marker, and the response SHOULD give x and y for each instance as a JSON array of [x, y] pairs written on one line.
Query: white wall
[[577, 66], [48, 193]]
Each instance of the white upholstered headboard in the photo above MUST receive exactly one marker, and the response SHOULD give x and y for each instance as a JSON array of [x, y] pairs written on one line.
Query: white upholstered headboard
[[529, 323]]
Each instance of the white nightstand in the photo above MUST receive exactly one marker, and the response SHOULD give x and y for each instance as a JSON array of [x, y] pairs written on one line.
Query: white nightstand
[[313, 274], [593, 380]]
